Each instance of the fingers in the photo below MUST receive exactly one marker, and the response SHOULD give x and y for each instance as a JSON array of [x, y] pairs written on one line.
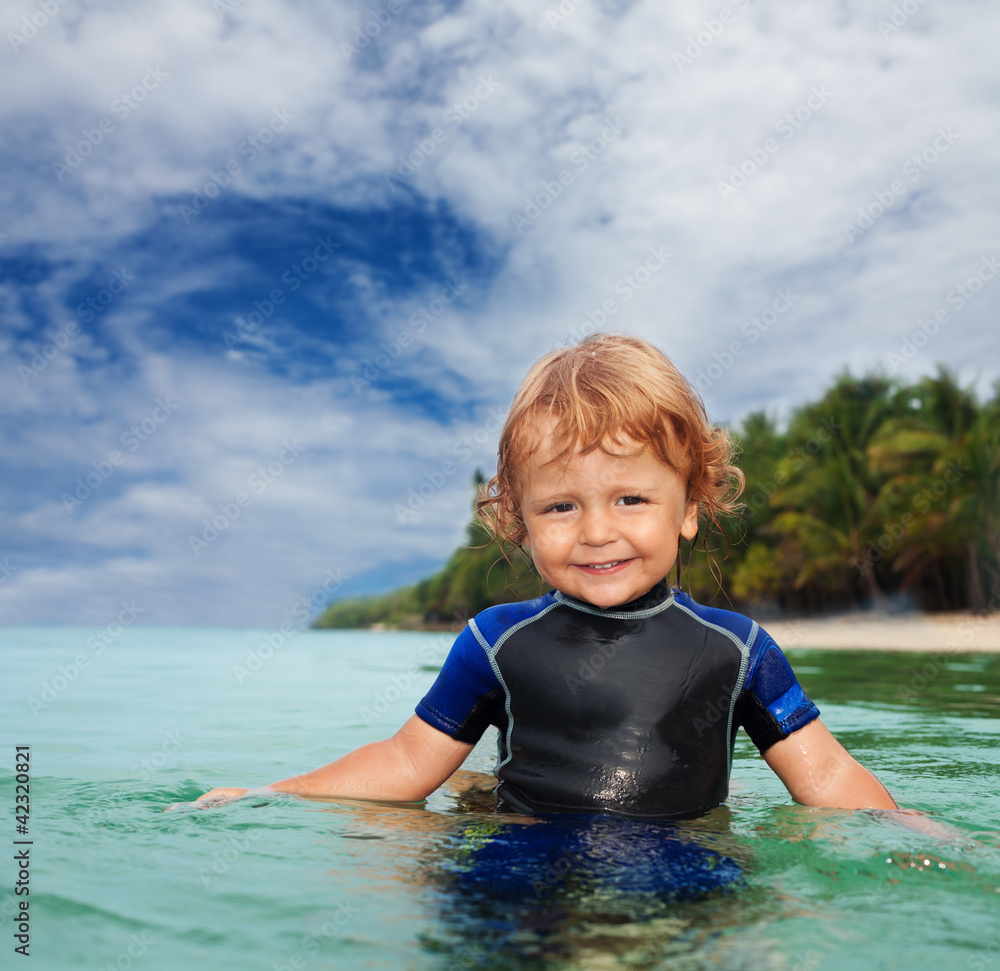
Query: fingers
[[216, 797], [216, 794]]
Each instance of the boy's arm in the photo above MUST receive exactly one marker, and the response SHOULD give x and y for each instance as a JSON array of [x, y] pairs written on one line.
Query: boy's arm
[[818, 771], [405, 768]]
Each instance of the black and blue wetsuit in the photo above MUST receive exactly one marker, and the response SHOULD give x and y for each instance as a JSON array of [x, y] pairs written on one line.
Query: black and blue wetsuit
[[630, 710]]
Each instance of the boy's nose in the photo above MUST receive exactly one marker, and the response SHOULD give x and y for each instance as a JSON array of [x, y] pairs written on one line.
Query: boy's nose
[[598, 528]]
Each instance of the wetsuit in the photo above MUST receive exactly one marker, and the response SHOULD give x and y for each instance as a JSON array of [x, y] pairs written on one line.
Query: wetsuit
[[630, 710]]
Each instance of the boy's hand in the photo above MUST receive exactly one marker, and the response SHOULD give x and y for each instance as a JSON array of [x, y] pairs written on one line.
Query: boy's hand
[[405, 768], [218, 797]]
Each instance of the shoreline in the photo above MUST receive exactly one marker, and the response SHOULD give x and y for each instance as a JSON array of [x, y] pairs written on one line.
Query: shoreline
[[954, 632]]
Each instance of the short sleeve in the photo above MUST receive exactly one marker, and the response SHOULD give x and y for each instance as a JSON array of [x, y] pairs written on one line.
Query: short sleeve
[[773, 704], [466, 698]]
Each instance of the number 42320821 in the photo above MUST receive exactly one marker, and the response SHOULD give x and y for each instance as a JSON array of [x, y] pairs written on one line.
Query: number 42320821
[[22, 790]]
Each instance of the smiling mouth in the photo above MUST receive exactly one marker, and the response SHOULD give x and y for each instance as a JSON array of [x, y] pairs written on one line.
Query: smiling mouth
[[602, 567]]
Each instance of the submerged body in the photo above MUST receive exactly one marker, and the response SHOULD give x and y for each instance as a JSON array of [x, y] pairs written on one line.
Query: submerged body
[[631, 710]]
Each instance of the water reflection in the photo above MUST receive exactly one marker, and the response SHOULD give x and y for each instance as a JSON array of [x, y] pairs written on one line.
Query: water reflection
[[571, 888], [948, 681], [572, 891]]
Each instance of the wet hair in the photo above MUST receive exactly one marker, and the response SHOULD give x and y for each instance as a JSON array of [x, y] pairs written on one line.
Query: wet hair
[[611, 391]]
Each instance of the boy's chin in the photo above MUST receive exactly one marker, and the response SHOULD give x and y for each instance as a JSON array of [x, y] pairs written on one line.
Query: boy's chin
[[612, 596]]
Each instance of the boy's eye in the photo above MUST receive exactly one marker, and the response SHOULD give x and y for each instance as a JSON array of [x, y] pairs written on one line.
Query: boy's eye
[[631, 500], [561, 507]]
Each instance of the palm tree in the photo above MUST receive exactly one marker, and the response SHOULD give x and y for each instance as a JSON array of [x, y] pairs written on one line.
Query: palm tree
[[941, 463], [826, 518]]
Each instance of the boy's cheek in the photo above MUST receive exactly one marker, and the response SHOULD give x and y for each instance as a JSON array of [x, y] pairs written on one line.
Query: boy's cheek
[[539, 563]]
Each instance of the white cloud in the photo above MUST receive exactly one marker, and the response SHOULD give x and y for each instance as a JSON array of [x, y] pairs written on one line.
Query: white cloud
[[655, 183]]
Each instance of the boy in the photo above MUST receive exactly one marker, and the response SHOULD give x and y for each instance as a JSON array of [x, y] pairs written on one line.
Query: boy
[[606, 691]]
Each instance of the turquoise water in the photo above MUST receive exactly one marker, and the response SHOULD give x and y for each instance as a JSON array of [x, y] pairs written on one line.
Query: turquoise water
[[159, 716]]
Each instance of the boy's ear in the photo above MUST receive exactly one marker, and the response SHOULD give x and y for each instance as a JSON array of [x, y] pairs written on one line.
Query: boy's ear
[[526, 542], [689, 525]]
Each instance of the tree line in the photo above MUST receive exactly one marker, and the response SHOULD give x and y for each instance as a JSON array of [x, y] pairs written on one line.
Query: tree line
[[880, 493]]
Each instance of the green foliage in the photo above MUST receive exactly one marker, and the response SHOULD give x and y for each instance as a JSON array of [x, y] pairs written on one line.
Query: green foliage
[[877, 489], [882, 489]]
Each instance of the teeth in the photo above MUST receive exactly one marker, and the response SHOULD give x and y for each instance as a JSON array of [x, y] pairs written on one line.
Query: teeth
[[605, 566]]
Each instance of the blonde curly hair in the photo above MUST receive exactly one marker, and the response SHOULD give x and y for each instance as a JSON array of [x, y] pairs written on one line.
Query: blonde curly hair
[[611, 390]]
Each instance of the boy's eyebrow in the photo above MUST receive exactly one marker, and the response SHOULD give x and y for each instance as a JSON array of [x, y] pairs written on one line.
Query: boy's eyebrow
[[548, 498], [620, 488]]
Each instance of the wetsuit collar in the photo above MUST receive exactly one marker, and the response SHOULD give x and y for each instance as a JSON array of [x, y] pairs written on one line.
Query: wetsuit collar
[[651, 602]]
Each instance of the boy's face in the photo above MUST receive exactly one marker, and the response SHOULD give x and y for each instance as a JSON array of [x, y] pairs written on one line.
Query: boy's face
[[604, 528]]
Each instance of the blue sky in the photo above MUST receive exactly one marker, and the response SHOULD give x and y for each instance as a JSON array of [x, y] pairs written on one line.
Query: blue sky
[[279, 267]]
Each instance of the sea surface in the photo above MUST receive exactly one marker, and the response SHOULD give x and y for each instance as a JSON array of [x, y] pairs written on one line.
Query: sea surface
[[120, 725]]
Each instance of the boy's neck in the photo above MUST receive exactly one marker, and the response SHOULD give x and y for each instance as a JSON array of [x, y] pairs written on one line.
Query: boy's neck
[[652, 598]]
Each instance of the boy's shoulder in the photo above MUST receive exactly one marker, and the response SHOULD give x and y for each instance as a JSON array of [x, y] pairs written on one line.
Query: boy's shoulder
[[495, 621], [733, 623]]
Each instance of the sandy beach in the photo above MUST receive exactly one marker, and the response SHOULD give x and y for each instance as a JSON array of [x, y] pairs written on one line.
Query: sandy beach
[[859, 631], [891, 632]]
